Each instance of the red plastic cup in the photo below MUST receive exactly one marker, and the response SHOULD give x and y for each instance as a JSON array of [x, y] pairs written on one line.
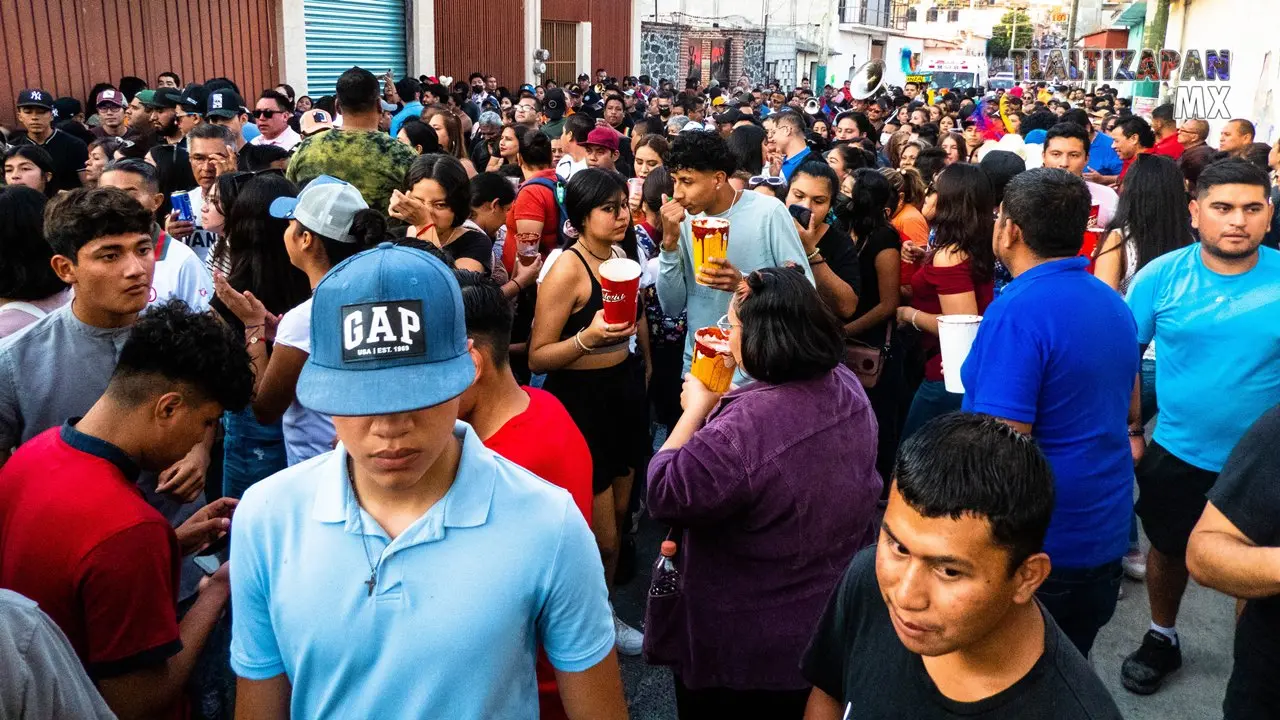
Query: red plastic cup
[[619, 283]]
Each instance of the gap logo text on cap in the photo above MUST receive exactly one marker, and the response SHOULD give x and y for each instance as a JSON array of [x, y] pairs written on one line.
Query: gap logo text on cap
[[382, 331]]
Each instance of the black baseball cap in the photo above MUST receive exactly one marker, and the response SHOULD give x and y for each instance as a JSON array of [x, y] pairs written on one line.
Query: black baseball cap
[[553, 103], [730, 116], [66, 107], [193, 99], [35, 97], [164, 99], [224, 103]]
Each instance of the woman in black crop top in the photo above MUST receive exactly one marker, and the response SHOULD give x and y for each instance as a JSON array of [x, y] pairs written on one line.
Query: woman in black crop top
[[589, 364]]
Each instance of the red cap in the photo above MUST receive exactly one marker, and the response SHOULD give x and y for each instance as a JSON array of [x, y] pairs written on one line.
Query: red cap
[[668, 548], [1016, 92], [604, 137]]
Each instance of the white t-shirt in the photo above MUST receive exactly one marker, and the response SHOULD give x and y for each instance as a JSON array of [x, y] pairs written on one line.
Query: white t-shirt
[[568, 166], [201, 241], [1106, 199], [181, 274], [287, 140], [307, 433]]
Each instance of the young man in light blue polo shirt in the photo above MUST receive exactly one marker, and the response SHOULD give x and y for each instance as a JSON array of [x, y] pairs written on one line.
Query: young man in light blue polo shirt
[[411, 572], [1055, 358], [1212, 309]]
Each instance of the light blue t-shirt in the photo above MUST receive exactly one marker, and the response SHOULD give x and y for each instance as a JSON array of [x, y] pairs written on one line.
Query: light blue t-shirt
[[249, 131], [761, 234], [410, 110], [502, 564], [1219, 339]]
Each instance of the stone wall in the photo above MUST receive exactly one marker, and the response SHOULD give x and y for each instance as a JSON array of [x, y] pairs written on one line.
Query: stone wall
[[659, 51], [665, 52]]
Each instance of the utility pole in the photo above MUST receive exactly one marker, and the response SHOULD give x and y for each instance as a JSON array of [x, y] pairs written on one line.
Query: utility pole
[[1071, 24], [824, 53]]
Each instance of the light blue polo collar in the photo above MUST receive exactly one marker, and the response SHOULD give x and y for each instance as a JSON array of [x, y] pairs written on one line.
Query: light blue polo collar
[[466, 504]]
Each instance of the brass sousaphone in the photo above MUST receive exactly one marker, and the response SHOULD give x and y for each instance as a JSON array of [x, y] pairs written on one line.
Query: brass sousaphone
[[867, 82]]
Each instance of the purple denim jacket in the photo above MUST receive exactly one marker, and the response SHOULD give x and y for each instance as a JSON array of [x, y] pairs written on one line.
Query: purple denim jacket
[[774, 495]]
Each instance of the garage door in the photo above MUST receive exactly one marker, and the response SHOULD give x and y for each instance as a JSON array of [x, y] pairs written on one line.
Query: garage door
[[341, 33]]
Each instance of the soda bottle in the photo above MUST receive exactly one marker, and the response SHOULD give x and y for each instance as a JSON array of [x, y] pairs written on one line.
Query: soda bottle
[[666, 578]]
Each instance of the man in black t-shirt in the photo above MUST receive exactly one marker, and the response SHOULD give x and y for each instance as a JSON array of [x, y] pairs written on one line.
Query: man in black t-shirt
[[939, 619], [1235, 548], [70, 155]]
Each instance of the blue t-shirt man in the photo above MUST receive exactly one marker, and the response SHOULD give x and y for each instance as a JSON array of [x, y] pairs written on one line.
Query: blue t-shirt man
[[793, 163], [1102, 155], [1056, 351], [1218, 340]]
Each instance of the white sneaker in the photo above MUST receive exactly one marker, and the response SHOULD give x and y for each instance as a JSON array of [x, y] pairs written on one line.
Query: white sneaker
[[628, 640], [1134, 564]]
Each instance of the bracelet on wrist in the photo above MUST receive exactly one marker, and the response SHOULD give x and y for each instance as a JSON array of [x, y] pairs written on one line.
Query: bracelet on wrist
[[577, 340], [812, 255], [915, 315], [1137, 433]]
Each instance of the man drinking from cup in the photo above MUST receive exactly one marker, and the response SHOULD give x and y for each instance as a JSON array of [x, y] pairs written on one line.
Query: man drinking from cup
[[700, 267]]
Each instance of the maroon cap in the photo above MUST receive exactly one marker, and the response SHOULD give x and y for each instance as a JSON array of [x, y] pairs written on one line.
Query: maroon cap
[[110, 96], [604, 137]]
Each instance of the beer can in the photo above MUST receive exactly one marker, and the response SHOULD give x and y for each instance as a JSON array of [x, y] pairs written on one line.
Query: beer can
[[181, 202]]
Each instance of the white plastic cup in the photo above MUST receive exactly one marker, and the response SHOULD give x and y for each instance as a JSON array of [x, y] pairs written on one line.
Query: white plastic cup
[[956, 334]]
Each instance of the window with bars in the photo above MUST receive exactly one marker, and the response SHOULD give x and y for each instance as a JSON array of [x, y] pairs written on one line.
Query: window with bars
[[953, 16], [931, 15], [561, 40], [911, 14]]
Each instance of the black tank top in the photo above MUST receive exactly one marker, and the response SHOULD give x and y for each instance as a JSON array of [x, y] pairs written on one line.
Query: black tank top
[[582, 318]]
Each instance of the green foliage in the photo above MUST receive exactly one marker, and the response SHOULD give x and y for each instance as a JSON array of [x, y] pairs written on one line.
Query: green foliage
[[998, 45]]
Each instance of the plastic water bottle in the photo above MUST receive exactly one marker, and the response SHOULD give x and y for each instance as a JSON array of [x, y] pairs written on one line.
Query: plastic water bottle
[[666, 578]]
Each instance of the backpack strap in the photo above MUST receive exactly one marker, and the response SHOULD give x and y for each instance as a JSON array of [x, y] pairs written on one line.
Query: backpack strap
[[26, 307]]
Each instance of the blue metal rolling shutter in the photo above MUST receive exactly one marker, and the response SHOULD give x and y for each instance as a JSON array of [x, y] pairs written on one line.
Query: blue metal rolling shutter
[[342, 33]]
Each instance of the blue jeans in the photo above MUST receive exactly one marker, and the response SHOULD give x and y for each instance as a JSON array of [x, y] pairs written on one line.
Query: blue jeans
[[1082, 600], [251, 451], [931, 400]]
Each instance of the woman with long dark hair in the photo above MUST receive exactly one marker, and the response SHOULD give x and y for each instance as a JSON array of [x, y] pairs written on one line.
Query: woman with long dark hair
[[955, 278], [1151, 219], [253, 447], [306, 433], [589, 363], [746, 144], [771, 489], [29, 289], [878, 246]]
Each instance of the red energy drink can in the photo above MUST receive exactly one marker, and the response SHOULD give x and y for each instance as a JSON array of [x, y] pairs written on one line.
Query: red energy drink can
[[181, 202]]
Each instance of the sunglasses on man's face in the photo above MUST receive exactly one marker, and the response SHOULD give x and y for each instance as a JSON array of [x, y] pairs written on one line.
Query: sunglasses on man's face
[[268, 114]]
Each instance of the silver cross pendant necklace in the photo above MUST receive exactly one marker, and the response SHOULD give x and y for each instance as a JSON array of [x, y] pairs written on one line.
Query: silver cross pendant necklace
[[372, 582]]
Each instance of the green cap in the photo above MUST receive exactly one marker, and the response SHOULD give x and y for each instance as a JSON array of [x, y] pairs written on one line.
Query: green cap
[[146, 97]]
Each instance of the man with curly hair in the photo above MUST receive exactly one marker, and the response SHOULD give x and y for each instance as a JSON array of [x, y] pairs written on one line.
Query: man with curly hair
[[761, 233], [80, 540]]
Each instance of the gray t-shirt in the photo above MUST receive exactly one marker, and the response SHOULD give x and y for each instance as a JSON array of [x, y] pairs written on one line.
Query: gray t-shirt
[[42, 676], [54, 369]]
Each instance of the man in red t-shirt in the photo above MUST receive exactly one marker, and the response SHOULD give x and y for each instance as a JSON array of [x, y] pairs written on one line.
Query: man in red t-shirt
[[1166, 131], [525, 425], [77, 537], [535, 209]]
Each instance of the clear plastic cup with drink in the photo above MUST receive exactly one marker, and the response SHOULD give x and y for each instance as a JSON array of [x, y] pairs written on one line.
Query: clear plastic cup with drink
[[712, 360], [527, 248], [710, 239]]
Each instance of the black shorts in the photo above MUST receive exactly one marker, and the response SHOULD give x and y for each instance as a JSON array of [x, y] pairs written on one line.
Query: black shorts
[[1252, 693], [610, 408], [1171, 498]]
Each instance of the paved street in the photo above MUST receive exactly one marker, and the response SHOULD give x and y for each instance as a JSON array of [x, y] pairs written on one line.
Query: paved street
[[1195, 692]]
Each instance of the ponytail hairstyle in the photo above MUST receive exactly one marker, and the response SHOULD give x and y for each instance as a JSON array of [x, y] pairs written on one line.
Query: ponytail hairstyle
[[368, 228]]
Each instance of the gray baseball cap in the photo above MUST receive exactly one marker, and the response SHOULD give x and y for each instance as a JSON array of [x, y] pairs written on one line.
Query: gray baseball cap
[[326, 207]]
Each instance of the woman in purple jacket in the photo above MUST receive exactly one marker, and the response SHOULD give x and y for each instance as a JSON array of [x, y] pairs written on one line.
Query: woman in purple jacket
[[772, 488]]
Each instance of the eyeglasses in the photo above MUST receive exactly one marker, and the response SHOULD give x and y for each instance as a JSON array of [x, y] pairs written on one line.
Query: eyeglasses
[[758, 180], [268, 114], [724, 325]]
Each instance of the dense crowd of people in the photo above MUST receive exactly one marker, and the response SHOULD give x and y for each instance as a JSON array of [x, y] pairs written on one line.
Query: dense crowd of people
[[352, 406]]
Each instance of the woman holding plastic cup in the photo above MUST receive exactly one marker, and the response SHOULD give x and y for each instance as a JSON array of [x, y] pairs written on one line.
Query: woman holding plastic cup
[[775, 487], [583, 327], [954, 279]]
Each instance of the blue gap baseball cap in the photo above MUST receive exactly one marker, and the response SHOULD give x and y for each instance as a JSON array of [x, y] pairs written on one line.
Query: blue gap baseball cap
[[388, 335]]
